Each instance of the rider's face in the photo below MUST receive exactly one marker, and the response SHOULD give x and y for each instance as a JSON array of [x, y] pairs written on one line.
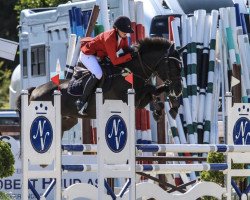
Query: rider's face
[[122, 34]]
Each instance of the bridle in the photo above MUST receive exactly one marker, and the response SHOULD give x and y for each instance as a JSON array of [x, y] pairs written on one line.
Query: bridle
[[153, 70]]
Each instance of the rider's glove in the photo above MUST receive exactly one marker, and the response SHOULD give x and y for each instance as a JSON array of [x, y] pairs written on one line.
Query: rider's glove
[[133, 54]]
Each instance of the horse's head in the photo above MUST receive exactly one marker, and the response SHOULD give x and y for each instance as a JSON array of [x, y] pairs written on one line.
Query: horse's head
[[158, 57]]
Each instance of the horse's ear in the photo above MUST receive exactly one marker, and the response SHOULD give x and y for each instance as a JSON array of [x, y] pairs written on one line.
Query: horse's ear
[[181, 49]]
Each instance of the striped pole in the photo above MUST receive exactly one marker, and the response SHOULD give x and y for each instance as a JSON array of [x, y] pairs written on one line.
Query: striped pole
[[126, 12], [186, 104], [140, 30], [79, 22], [216, 93], [163, 148], [74, 59], [79, 148], [71, 49], [192, 75], [200, 25], [223, 49], [150, 168], [244, 51], [170, 29], [85, 20], [179, 137], [133, 20], [209, 94], [195, 148], [236, 25], [223, 64], [232, 56], [125, 8], [203, 78], [175, 133]]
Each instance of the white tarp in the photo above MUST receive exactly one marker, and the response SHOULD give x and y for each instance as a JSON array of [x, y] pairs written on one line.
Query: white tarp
[[8, 49]]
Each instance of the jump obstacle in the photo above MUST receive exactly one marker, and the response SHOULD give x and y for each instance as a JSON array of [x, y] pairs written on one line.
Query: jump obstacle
[[117, 153]]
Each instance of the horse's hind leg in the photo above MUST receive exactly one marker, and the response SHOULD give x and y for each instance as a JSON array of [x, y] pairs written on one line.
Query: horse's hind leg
[[145, 101], [68, 123]]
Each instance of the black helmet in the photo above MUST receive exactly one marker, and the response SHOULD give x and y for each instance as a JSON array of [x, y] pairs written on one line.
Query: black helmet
[[123, 23]]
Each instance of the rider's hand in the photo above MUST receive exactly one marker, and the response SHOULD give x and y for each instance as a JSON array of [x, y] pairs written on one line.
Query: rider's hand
[[133, 54], [129, 49]]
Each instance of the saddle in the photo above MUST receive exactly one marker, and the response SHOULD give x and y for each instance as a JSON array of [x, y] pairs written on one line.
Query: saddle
[[81, 75]]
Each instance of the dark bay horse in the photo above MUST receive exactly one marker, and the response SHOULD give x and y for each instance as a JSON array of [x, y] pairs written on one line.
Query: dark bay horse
[[156, 57]]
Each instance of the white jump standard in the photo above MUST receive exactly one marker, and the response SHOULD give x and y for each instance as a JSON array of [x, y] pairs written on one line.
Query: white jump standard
[[41, 137]]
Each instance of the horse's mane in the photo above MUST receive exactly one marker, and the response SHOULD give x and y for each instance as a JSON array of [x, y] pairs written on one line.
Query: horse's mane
[[153, 44]]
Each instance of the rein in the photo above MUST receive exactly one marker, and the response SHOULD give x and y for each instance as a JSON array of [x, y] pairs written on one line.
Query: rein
[[153, 70], [147, 70]]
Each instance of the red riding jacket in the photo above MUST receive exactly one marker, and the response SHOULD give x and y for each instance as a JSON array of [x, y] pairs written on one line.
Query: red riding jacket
[[106, 44]]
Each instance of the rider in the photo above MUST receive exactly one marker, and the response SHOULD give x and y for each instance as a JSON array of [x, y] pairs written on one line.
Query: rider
[[106, 44]]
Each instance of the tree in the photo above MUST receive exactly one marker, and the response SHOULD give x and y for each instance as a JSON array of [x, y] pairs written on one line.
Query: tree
[[24, 4], [9, 16], [9, 22]]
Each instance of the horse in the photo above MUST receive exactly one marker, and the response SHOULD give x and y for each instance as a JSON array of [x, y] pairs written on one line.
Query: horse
[[155, 57]]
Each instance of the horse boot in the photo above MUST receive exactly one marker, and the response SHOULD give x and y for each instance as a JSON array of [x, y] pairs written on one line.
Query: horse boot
[[82, 102]]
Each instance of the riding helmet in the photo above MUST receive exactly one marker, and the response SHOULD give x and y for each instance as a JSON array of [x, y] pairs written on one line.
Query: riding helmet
[[123, 23]]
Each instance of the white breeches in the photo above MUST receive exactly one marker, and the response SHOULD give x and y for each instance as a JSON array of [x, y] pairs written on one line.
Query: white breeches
[[91, 63]]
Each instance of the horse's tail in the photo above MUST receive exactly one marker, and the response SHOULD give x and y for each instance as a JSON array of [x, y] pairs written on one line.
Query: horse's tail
[[18, 101]]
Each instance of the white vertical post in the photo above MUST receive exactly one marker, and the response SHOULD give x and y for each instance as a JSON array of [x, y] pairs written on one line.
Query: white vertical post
[[228, 140], [100, 161], [24, 104], [131, 133], [228, 98], [57, 134]]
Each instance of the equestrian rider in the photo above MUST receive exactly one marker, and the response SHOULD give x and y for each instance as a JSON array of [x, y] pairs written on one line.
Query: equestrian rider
[[106, 44]]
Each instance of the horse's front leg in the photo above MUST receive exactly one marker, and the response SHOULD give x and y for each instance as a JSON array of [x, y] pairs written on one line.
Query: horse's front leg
[[158, 108], [160, 89], [148, 96], [144, 96]]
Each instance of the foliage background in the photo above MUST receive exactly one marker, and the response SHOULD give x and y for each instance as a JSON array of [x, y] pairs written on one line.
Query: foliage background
[[9, 18]]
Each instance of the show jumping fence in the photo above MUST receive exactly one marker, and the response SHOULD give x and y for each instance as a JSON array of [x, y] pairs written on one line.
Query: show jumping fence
[[116, 153]]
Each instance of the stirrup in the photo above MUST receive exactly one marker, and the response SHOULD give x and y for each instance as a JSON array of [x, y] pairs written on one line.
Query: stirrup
[[83, 109]]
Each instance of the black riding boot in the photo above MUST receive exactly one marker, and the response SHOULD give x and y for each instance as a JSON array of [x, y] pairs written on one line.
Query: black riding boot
[[82, 102]]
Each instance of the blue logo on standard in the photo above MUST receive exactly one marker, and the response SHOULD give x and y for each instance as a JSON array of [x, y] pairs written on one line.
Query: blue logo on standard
[[241, 131], [41, 134], [116, 133]]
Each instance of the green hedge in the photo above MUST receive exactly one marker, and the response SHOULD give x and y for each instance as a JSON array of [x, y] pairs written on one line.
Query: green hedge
[[4, 196], [7, 160], [218, 176]]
